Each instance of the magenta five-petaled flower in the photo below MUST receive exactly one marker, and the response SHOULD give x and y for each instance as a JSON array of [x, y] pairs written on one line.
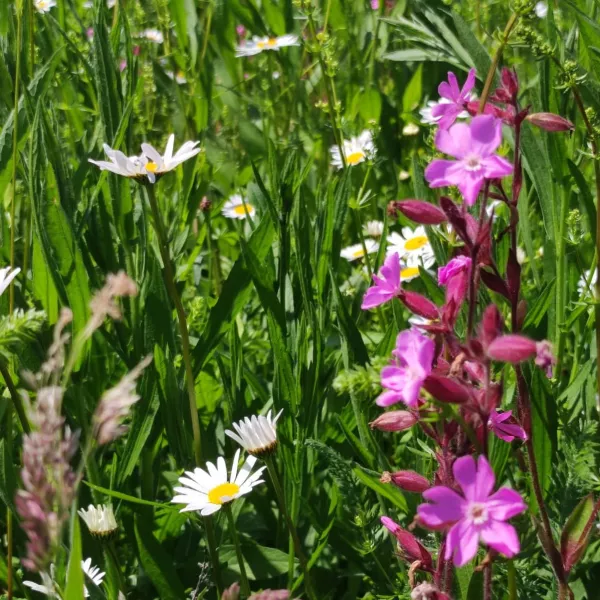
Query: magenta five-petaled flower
[[505, 427], [387, 283], [475, 515], [403, 381], [474, 146], [455, 99]]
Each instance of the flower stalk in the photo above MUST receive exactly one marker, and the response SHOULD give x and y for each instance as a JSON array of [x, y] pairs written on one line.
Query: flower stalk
[[238, 550]]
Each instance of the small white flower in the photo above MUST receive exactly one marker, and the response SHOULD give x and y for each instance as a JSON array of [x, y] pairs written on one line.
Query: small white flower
[[373, 228], [44, 6], [403, 175], [208, 491], [153, 35], [541, 10], [126, 166], [259, 44], [6, 276], [356, 150], [257, 435], [356, 251], [47, 587], [178, 77], [158, 165], [521, 255], [410, 129], [582, 285], [93, 573], [100, 520], [237, 208]]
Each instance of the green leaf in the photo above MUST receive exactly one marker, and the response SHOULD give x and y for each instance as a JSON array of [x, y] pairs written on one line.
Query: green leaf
[[543, 300], [411, 99], [261, 562], [157, 562], [128, 498], [369, 105], [391, 492], [75, 577]]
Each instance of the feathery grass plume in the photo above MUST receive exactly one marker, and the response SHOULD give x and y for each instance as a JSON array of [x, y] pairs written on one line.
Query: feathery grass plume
[[115, 404], [49, 481], [103, 303]]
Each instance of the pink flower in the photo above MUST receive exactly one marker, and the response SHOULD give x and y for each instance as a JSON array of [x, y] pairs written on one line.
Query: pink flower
[[387, 283], [474, 146], [449, 111], [545, 358], [505, 431], [240, 30], [403, 381], [475, 515], [374, 4], [454, 267]]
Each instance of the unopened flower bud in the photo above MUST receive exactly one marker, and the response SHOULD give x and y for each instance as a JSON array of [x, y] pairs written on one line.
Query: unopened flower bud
[[445, 389], [421, 212], [408, 481], [394, 420], [232, 592], [512, 348], [205, 204], [410, 546], [419, 305], [491, 325], [550, 122]]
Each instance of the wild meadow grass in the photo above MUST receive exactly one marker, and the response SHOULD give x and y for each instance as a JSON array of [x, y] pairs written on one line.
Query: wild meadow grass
[[299, 299]]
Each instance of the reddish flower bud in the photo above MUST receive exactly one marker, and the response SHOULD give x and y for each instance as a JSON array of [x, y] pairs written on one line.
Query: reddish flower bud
[[491, 325], [392, 209], [494, 282], [408, 481], [510, 81], [444, 389], [456, 218], [512, 348], [550, 122], [412, 549], [576, 533], [394, 420], [421, 212], [419, 305], [205, 204]]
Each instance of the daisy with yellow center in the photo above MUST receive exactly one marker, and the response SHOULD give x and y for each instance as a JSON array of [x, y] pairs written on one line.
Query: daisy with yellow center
[[356, 150], [158, 164], [258, 44], [237, 208], [207, 491], [44, 6], [414, 250], [357, 251]]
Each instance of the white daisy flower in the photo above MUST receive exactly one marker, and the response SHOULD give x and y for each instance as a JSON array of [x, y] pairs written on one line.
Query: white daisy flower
[[6, 276], [356, 150], [356, 251], [178, 77], [410, 129], [93, 573], [237, 208], [47, 587], [126, 166], [582, 285], [541, 10], [259, 44], [428, 119], [373, 228], [158, 165], [414, 250], [100, 520], [403, 175], [258, 435], [208, 491], [44, 6], [153, 35]]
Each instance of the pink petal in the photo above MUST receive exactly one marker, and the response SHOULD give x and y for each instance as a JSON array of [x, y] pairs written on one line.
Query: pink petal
[[436, 172], [390, 271], [502, 537], [375, 296], [394, 377], [455, 141], [496, 166], [462, 543], [410, 393], [468, 85], [448, 507], [388, 398], [508, 432], [500, 417], [470, 186], [476, 481], [504, 504], [486, 135], [448, 114]]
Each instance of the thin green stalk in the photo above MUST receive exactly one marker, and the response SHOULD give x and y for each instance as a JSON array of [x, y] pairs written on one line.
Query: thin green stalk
[[214, 555], [280, 495], [9, 519], [238, 550], [169, 277], [16, 398], [207, 25]]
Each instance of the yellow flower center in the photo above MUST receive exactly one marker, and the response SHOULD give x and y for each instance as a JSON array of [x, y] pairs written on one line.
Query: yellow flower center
[[272, 43], [242, 209], [223, 493], [151, 167], [409, 272], [358, 253], [355, 158], [415, 243]]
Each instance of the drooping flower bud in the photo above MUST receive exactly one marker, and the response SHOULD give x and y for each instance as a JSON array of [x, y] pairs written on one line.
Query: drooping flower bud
[[512, 348], [394, 420], [445, 389], [421, 212], [411, 548], [409, 481], [550, 122], [419, 305]]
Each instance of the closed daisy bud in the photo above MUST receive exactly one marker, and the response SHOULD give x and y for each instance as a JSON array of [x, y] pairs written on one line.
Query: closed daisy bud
[[257, 435], [100, 520]]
